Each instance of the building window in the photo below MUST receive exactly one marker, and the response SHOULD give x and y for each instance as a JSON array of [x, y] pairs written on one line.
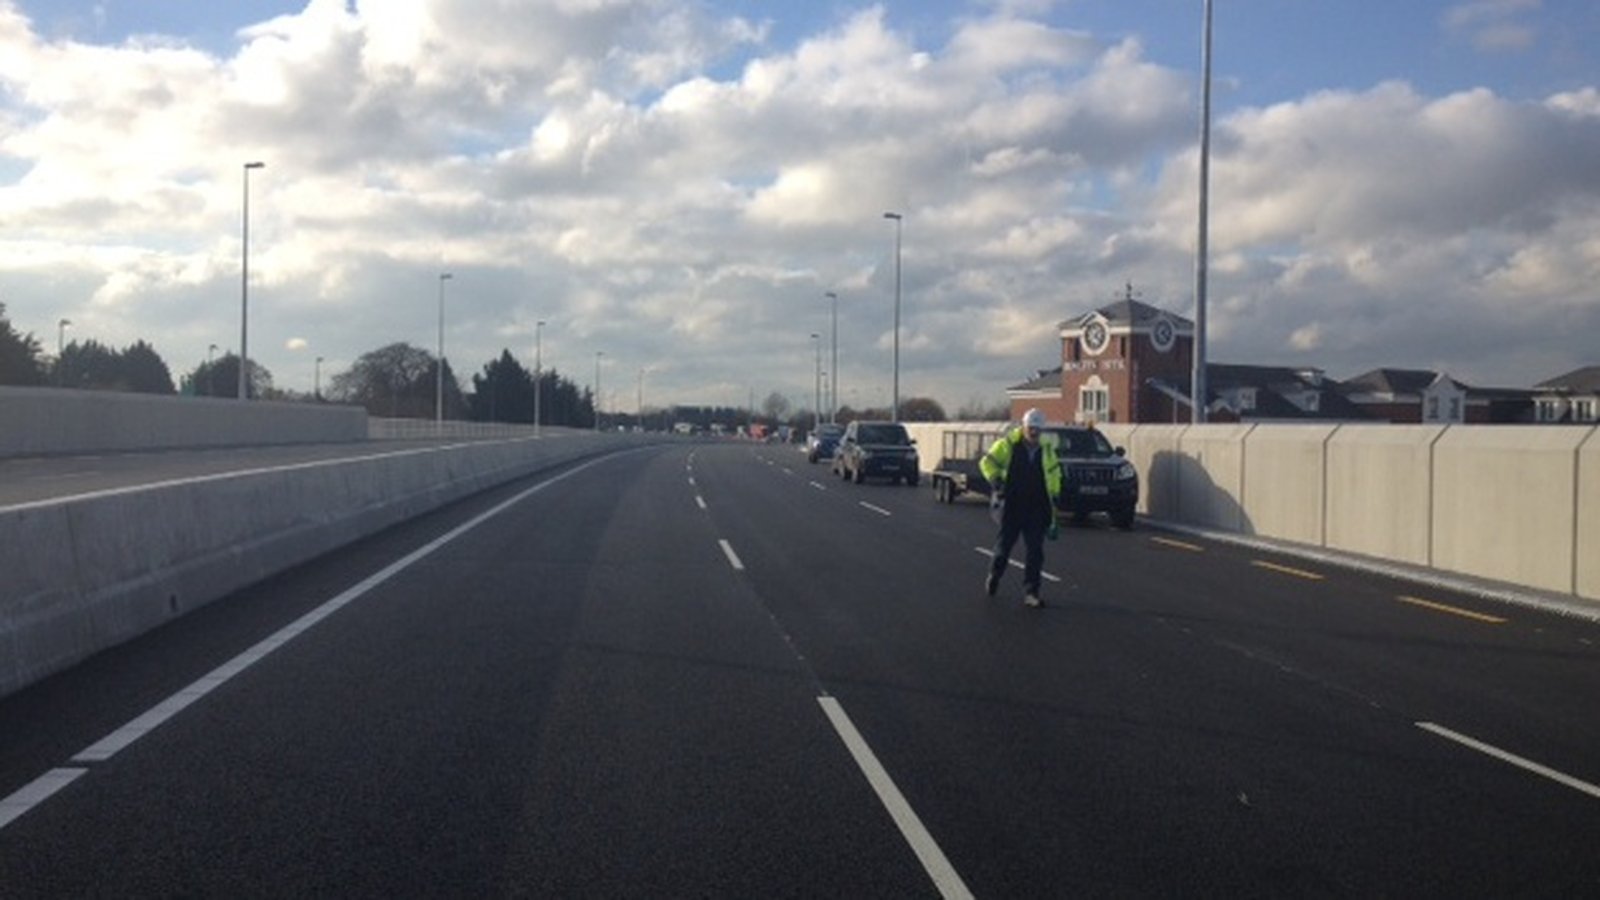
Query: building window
[[1550, 409], [1094, 402], [1433, 409], [1583, 409], [1455, 409]]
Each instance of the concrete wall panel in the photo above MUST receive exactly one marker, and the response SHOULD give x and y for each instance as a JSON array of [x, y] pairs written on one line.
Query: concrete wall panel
[[1155, 452], [1504, 503], [1380, 490], [1586, 543], [1211, 483], [1284, 480]]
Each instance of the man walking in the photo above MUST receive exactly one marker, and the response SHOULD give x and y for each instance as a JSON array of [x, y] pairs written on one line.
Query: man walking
[[1024, 471]]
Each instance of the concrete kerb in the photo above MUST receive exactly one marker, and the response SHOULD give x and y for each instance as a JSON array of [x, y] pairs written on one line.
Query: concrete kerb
[[86, 574]]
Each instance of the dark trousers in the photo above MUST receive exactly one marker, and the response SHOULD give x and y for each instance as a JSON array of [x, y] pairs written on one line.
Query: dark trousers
[[1032, 533]]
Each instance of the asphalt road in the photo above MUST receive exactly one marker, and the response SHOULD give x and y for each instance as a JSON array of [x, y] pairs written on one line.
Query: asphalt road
[[713, 670]]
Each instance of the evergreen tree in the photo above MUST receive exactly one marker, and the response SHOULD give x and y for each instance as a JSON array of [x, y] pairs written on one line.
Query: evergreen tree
[[20, 361]]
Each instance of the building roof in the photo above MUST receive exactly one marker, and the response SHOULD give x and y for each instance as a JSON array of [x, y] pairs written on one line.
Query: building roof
[[1127, 311], [1042, 380], [1271, 384], [1579, 381], [1395, 382]]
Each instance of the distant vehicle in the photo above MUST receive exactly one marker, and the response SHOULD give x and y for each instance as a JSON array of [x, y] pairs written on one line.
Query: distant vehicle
[[1096, 477], [822, 443], [877, 450]]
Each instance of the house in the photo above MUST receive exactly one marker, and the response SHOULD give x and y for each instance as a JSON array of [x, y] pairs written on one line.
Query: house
[[1131, 362], [1411, 396], [1573, 397]]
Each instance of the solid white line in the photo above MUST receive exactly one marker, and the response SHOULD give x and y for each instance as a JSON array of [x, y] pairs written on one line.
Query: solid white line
[[944, 875], [877, 509], [36, 792], [157, 715], [1512, 758], [1015, 564], [733, 558], [817, 485], [701, 501]]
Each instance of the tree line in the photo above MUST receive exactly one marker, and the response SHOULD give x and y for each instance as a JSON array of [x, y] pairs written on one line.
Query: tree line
[[401, 381]]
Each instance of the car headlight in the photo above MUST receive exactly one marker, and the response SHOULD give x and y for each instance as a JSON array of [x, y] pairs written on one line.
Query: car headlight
[[1126, 472]]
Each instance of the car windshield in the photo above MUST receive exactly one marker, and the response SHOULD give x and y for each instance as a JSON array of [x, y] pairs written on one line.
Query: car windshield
[[882, 434], [1082, 443], [829, 431]]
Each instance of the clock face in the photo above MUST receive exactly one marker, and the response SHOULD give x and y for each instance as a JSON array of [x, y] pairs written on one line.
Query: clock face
[[1162, 335], [1095, 337]]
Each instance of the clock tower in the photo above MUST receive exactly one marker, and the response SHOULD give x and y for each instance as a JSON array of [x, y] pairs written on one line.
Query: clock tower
[[1111, 356]]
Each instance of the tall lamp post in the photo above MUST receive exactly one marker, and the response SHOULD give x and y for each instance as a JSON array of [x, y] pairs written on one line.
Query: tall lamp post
[[438, 388], [316, 381], [211, 372], [816, 340], [597, 355], [61, 348], [833, 389], [538, 373], [899, 223], [1197, 377], [244, 290]]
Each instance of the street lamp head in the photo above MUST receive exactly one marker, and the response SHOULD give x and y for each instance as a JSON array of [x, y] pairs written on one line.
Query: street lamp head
[[892, 215], [445, 276], [255, 165]]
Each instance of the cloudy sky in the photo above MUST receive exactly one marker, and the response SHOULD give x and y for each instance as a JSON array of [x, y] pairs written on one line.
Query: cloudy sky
[[678, 183]]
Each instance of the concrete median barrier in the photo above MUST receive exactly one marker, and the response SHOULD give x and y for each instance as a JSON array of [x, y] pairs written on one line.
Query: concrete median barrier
[[83, 574]]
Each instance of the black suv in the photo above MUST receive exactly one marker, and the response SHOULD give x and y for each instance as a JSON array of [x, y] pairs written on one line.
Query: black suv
[[874, 450], [1096, 477]]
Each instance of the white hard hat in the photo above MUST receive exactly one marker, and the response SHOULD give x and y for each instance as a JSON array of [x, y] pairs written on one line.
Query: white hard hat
[[1033, 418]]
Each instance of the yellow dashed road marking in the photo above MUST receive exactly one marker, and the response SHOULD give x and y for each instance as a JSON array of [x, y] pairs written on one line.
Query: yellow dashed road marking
[[1453, 610], [1298, 573], [1167, 542]]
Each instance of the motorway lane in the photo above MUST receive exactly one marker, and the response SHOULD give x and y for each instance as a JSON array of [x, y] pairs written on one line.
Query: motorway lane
[[1237, 731], [579, 697], [583, 696]]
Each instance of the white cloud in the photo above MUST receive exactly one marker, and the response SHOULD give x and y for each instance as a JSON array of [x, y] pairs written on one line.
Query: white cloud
[[671, 189]]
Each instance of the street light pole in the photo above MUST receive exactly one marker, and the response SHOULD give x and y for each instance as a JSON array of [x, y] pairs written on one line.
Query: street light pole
[[816, 340], [438, 388], [833, 389], [538, 374], [61, 347], [211, 372], [597, 355], [316, 381], [244, 290], [899, 222], [1197, 377]]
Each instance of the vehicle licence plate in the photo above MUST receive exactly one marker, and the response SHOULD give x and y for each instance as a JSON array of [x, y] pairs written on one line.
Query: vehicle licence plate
[[1094, 490]]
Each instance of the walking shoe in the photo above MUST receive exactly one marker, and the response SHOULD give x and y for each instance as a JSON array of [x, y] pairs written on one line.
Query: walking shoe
[[1032, 599], [991, 584]]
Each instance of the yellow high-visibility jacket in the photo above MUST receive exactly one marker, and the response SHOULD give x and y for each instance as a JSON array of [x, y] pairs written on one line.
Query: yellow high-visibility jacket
[[997, 462]]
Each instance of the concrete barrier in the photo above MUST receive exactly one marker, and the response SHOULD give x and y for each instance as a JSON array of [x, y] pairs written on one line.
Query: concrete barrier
[[1505, 503], [1380, 491], [85, 574], [1211, 483], [43, 421], [1156, 452], [1290, 458], [1514, 504], [1586, 542]]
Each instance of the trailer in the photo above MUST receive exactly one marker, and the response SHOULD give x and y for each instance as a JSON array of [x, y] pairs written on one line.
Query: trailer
[[957, 472]]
